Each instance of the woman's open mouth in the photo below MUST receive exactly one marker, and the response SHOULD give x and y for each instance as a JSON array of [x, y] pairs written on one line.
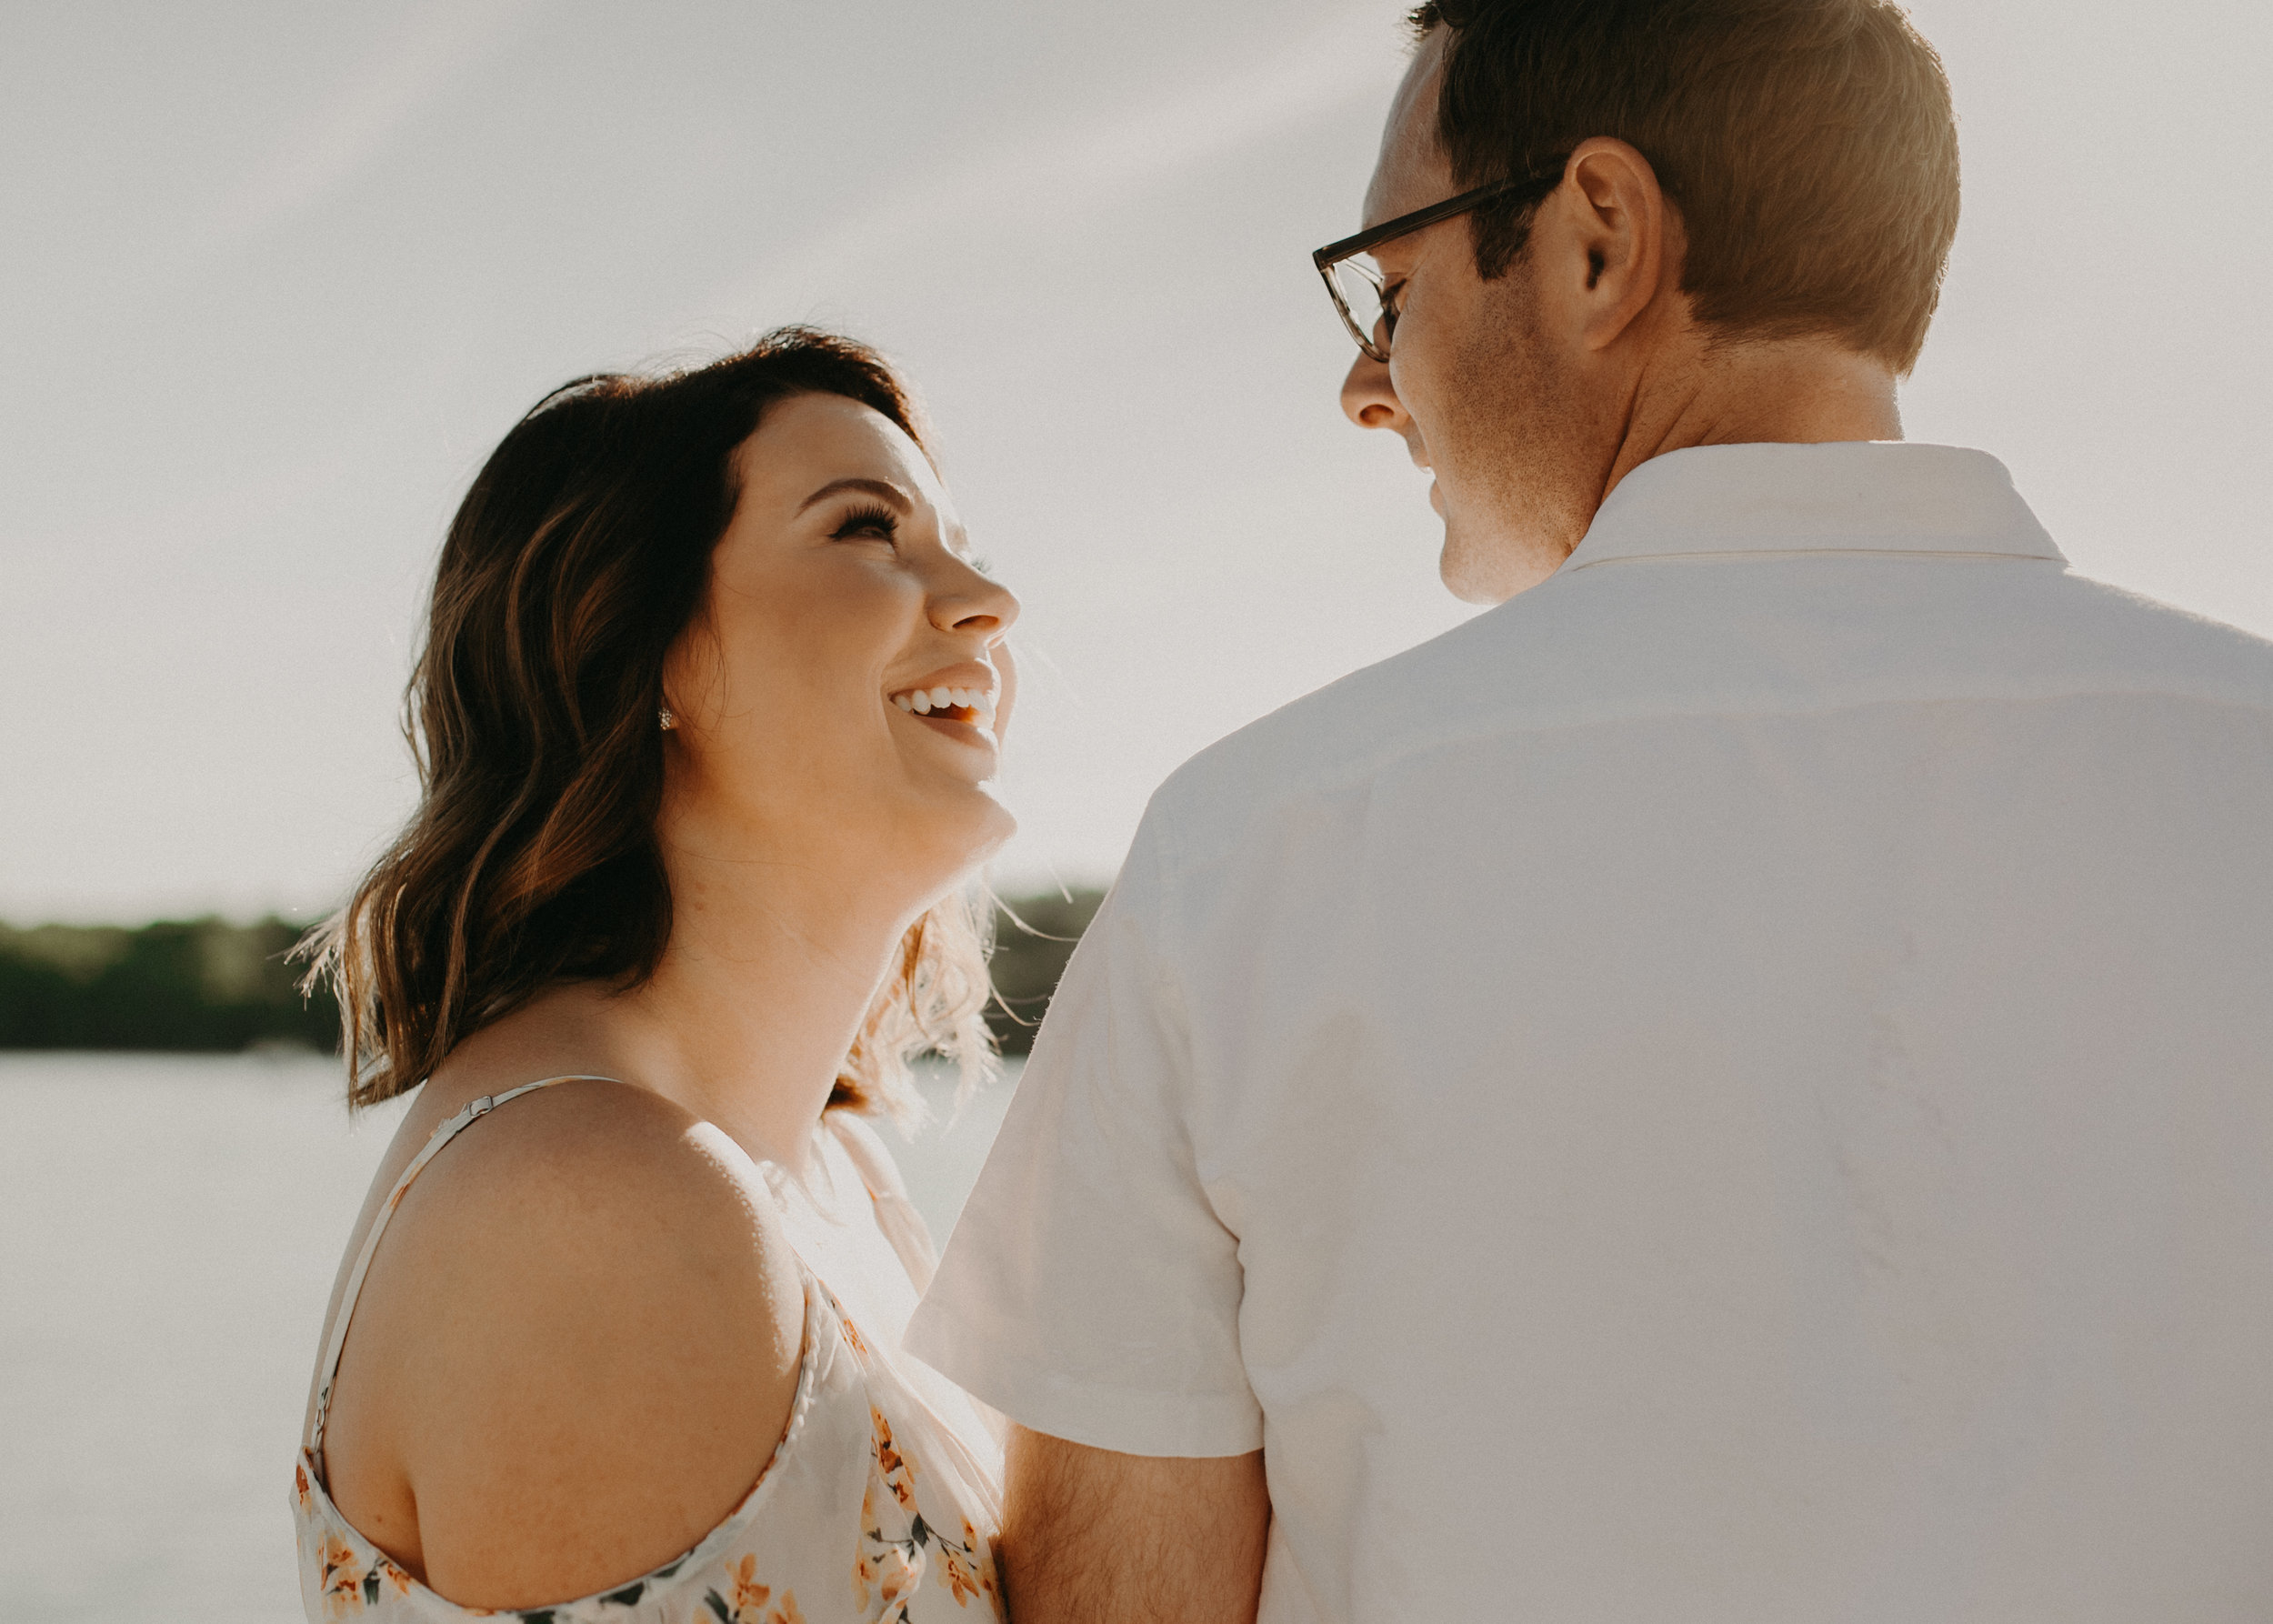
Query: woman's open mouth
[[973, 708]]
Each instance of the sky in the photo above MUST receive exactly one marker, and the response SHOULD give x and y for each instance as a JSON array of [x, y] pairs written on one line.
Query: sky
[[276, 278]]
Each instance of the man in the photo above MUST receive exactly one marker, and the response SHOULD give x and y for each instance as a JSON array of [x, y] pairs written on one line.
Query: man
[[1738, 1086]]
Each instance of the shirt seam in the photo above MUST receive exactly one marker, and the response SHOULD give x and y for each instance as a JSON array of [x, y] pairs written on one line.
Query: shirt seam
[[1723, 554], [1367, 773]]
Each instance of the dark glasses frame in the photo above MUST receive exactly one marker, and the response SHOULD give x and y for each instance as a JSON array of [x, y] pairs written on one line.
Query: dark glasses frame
[[1542, 181]]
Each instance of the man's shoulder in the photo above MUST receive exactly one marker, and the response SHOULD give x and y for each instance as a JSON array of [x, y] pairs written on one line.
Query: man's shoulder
[[1346, 729], [2142, 642], [1648, 640]]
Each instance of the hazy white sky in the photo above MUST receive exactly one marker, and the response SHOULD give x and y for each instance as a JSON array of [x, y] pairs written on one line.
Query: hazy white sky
[[277, 276]]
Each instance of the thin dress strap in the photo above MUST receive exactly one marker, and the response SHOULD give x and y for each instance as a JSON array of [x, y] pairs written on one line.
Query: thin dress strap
[[442, 1135]]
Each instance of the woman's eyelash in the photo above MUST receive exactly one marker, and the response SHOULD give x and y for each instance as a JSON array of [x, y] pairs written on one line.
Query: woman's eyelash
[[868, 518]]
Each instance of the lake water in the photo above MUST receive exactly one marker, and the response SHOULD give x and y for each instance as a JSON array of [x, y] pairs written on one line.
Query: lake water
[[169, 1226]]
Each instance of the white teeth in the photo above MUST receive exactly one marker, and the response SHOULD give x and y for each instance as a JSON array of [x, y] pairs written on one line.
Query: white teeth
[[924, 701]]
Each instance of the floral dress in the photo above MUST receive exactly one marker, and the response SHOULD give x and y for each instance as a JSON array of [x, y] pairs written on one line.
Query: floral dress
[[873, 1509]]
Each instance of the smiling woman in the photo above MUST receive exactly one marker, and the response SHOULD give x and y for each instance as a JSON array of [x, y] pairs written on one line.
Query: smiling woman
[[578, 566], [707, 722]]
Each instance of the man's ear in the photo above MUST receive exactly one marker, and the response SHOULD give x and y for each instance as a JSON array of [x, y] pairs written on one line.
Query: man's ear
[[1608, 243]]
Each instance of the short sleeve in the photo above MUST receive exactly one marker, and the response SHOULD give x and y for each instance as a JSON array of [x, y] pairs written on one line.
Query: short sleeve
[[1090, 1291]]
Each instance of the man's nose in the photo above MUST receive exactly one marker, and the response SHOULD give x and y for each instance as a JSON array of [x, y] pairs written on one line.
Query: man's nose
[[1369, 399]]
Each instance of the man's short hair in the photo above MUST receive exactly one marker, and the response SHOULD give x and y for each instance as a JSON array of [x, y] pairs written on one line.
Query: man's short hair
[[1809, 146]]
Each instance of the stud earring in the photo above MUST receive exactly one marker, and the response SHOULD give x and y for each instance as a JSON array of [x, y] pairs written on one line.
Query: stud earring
[[669, 721]]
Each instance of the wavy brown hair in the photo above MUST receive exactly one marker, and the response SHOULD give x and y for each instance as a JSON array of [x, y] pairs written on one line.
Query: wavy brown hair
[[579, 556]]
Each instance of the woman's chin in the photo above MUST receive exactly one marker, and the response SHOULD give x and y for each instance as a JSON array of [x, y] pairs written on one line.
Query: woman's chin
[[996, 822], [955, 828]]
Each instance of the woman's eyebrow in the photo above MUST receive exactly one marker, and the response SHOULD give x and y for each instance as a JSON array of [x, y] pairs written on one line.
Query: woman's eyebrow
[[884, 490]]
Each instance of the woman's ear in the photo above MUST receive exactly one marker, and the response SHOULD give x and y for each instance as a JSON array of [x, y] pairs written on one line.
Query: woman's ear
[[693, 675]]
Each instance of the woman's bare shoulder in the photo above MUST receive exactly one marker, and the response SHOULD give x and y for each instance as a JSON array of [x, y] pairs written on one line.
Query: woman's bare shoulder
[[579, 1344], [596, 1174]]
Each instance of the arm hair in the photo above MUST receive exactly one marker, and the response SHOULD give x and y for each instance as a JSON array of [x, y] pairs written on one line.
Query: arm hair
[[1093, 1536]]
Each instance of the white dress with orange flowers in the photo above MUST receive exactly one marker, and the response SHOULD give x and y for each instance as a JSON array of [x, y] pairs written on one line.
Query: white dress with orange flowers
[[874, 1508]]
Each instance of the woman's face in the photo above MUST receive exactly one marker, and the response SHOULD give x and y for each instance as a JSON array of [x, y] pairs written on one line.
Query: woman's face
[[843, 696]]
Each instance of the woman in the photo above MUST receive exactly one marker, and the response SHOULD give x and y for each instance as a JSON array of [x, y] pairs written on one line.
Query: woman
[[707, 718]]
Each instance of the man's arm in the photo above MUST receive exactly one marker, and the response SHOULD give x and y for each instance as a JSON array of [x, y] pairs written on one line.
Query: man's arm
[[1091, 1536]]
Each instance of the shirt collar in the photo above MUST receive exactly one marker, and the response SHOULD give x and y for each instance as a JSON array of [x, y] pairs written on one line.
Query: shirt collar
[[1879, 496]]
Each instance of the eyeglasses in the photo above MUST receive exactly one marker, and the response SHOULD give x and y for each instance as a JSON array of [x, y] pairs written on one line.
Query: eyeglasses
[[1361, 294]]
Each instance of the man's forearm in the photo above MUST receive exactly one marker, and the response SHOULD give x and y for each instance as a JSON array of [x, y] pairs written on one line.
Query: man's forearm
[[1092, 1537]]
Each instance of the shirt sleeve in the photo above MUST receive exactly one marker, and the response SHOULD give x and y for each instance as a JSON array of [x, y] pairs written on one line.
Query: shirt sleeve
[[1090, 1291]]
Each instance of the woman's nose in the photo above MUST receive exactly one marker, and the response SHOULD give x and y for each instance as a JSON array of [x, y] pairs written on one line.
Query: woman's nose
[[972, 602], [1369, 399]]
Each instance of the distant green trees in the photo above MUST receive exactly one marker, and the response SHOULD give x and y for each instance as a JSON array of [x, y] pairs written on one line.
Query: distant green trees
[[1033, 937], [208, 986], [199, 984]]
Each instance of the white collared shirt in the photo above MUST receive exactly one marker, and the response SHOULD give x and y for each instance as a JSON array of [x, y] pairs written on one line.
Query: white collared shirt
[[1738, 1086]]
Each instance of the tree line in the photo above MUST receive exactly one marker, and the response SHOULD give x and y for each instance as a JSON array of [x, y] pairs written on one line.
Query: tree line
[[208, 986]]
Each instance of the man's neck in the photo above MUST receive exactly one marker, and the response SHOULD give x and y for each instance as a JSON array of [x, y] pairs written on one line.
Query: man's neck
[[1791, 391]]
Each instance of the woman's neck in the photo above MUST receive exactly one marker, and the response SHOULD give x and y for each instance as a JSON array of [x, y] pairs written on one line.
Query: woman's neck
[[769, 973]]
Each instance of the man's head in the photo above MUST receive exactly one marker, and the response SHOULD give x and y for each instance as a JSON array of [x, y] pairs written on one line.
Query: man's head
[[1760, 190]]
